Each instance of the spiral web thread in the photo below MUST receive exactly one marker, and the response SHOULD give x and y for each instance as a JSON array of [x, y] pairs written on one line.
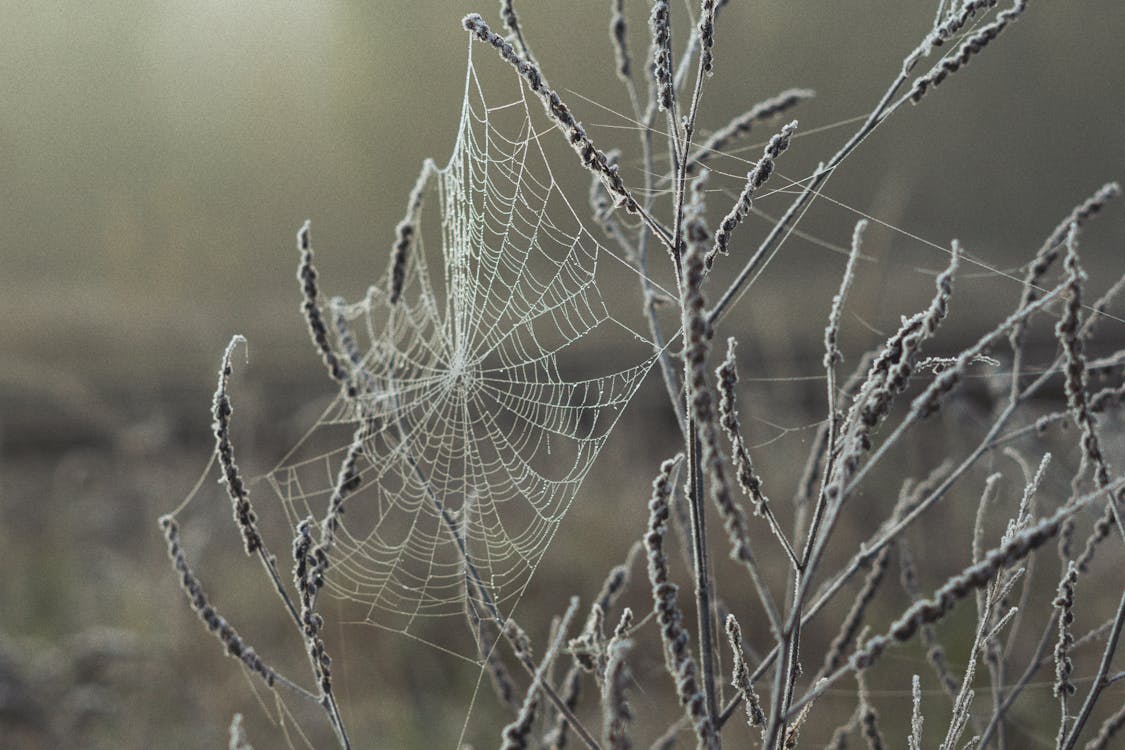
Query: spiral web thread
[[477, 415]]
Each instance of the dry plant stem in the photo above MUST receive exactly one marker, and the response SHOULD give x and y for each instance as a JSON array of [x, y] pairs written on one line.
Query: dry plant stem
[[1041, 657], [591, 156], [1046, 255], [678, 660], [1064, 666], [240, 498], [995, 592], [868, 716], [616, 712], [851, 623], [748, 479], [832, 355], [1070, 339], [928, 401], [244, 514], [513, 636], [704, 608], [668, 373], [959, 587], [812, 472], [1098, 401], [871, 548], [226, 633], [486, 647], [701, 397], [1100, 679], [837, 472], [308, 577], [235, 486], [971, 46], [885, 107]]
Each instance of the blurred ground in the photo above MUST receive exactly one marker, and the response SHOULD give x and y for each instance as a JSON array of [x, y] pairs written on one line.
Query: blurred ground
[[157, 160]]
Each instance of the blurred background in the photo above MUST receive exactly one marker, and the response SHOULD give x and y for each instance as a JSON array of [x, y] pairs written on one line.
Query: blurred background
[[156, 160]]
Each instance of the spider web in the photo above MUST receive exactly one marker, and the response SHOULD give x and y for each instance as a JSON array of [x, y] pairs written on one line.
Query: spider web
[[476, 417]]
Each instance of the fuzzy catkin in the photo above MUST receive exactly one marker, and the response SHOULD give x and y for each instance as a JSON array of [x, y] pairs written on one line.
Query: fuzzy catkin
[[345, 337], [619, 35], [616, 711], [308, 578], [215, 622], [928, 402], [744, 124], [748, 479], [956, 17], [755, 178], [972, 46], [405, 232], [221, 411], [347, 482], [893, 366], [849, 627], [314, 318], [1064, 603], [1067, 332], [591, 156], [1052, 247], [959, 586], [1102, 527], [888, 376], [677, 647], [740, 675], [590, 648], [868, 716], [659, 25], [707, 36], [832, 355]]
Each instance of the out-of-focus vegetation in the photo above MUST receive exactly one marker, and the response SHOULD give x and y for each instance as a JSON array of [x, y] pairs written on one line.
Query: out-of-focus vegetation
[[155, 162]]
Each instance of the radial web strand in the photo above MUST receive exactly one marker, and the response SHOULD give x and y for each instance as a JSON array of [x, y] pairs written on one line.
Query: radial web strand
[[479, 407]]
